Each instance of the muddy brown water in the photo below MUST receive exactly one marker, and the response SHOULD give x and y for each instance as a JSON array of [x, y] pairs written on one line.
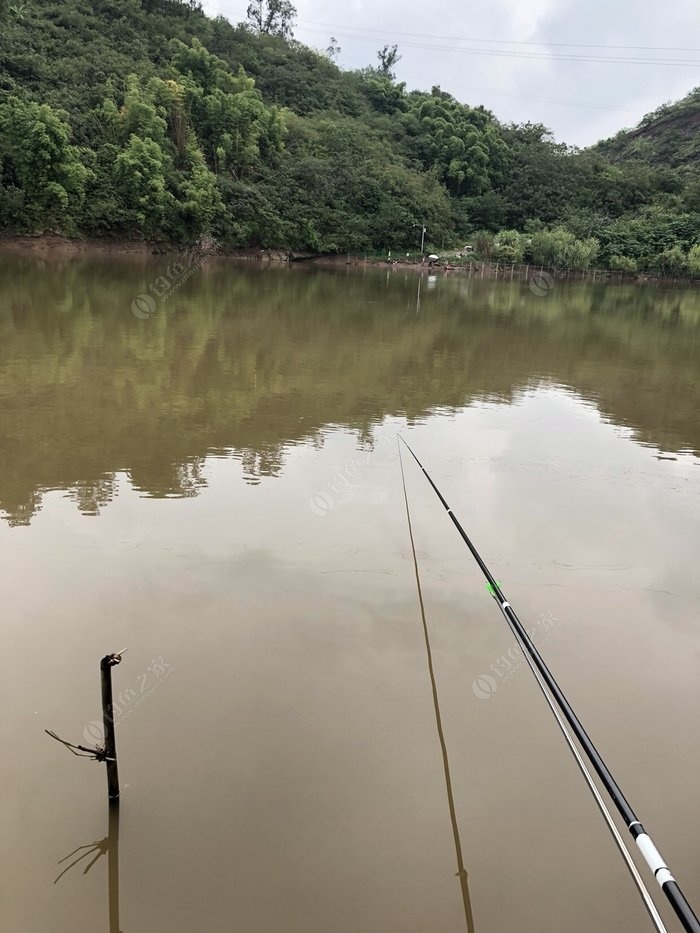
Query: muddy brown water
[[210, 479]]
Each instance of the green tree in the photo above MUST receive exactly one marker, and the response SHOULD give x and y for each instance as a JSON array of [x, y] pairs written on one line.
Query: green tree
[[694, 259], [672, 260], [140, 115], [484, 244], [385, 96], [272, 17], [623, 264], [333, 50], [235, 128], [584, 253], [388, 59], [554, 247], [198, 202], [461, 142], [510, 246], [140, 174], [36, 152]]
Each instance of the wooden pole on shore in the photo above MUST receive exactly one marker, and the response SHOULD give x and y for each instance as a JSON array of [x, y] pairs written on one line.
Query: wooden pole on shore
[[110, 750]]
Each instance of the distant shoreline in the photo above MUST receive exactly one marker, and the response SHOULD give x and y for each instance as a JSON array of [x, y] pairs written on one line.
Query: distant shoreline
[[56, 246]]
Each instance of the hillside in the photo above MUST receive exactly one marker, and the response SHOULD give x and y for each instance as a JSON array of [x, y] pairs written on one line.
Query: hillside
[[145, 119], [668, 137]]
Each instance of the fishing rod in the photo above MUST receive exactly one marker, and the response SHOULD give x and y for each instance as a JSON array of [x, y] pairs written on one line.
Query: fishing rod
[[645, 844], [607, 816]]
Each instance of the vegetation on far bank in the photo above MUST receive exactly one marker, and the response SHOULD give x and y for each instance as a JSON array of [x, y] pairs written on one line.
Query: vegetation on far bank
[[147, 119]]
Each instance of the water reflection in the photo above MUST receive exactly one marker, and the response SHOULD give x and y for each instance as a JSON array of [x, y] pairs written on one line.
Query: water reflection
[[93, 851], [244, 361]]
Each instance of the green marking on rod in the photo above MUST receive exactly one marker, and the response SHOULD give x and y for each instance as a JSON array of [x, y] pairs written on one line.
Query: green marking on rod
[[491, 589]]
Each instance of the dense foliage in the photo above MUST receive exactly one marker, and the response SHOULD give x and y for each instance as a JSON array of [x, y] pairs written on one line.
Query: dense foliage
[[146, 119]]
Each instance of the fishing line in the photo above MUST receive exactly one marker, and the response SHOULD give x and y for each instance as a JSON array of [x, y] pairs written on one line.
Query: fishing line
[[645, 844], [461, 870]]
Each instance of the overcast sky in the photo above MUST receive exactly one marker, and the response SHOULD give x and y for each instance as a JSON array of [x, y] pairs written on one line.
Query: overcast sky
[[580, 100]]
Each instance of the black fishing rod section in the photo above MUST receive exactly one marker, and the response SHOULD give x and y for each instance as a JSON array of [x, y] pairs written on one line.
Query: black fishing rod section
[[645, 844]]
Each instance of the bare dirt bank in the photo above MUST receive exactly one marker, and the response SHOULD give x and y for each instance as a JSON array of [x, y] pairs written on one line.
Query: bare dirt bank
[[51, 245]]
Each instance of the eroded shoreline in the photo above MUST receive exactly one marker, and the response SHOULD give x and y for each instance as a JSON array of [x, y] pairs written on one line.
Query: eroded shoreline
[[55, 246]]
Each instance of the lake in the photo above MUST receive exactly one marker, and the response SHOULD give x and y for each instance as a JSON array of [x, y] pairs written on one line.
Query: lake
[[209, 477]]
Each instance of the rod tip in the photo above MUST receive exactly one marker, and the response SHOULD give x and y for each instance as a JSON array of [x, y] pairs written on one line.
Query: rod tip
[[115, 657]]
